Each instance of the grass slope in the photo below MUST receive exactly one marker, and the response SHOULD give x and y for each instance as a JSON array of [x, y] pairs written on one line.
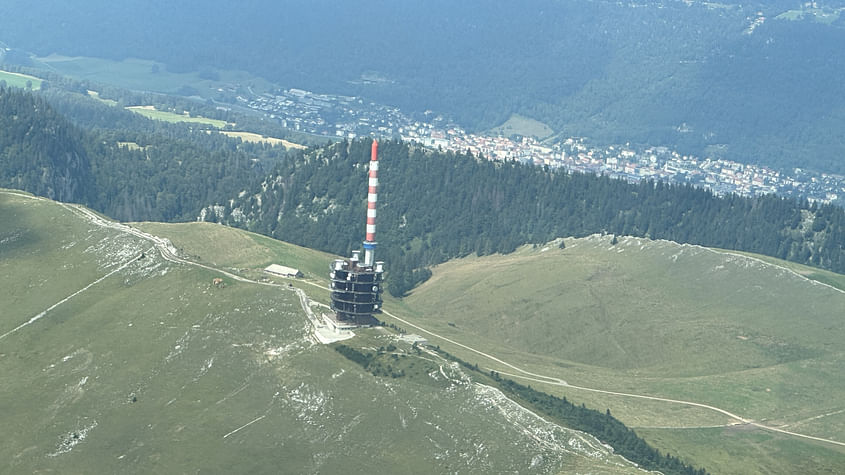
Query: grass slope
[[153, 369], [519, 125], [661, 319], [155, 114], [20, 80]]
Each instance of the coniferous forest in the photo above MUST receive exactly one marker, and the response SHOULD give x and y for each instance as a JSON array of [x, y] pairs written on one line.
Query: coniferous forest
[[433, 206], [436, 206]]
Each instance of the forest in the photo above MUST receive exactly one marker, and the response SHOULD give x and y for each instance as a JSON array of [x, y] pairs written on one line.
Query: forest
[[436, 206], [738, 80], [148, 171], [433, 206]]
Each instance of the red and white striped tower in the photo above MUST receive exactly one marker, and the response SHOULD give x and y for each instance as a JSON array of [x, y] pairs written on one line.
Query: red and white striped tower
[[372, 198]]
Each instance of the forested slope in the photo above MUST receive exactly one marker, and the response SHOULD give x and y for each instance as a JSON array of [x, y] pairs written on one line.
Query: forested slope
[[40, 152], [435, 206], [155, 173]]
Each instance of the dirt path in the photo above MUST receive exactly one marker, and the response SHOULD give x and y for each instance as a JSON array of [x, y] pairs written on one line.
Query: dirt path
[[168, 252], [42, 314], [527, 375]]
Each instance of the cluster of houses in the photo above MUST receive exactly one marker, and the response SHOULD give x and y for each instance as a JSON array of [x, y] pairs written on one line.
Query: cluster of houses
[[351, 117], [636, 163]]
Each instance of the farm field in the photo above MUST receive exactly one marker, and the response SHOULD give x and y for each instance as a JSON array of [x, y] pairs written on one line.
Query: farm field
[[155, 114], [20, 80], [96, 95], [256, 138], [119, 357], [664, 320], [520, 125]]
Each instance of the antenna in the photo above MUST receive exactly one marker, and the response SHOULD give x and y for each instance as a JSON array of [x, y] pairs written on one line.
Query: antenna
[[372, 198]]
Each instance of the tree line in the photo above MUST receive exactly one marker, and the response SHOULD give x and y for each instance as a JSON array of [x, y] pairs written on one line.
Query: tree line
[[433, 206], [436, 206], [602, 425], [156, 172]]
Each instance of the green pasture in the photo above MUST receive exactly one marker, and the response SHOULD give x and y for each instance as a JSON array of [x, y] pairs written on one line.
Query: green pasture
[[519, 125], [20, 80], [651, 318], [156, 369], [166, 116], [743, 449]]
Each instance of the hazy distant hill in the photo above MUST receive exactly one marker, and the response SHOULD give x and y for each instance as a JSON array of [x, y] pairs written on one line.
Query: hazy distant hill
[[753, 81]]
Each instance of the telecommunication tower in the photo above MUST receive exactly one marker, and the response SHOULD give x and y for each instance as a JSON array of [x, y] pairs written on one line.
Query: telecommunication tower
[[356, 284]]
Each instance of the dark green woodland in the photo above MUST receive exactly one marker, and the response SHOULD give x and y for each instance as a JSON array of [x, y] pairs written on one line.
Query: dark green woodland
[[433, 206]]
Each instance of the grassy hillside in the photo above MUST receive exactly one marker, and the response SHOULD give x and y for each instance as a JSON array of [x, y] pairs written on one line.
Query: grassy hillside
[[155, 114], [519, 125], [20, 80], [661, 319], [117, 360], [236, 249]]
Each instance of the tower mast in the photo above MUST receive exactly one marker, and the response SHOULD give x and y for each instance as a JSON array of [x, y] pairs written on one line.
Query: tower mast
[[356, 285], [372, 199]]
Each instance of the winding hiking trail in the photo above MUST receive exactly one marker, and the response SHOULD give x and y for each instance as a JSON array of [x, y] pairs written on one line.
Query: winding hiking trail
[[559, 382], [169, 252], [165, 248], [528, 375]]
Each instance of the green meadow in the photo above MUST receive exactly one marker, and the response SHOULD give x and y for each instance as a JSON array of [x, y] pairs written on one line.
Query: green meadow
[[519, 125], [20, 80], [155, 114], [117, 360], [659, 319]]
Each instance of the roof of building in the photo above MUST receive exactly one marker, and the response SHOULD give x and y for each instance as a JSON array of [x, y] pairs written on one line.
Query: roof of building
[[281, 270]]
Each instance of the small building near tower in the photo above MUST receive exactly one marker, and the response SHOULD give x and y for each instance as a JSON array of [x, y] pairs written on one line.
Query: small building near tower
[[282, 271]]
